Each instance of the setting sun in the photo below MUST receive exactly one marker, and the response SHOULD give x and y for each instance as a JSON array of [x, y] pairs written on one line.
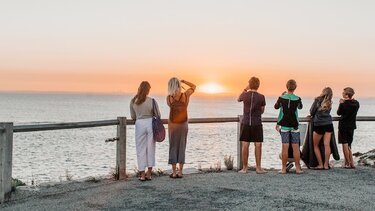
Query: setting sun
[[211, 88]]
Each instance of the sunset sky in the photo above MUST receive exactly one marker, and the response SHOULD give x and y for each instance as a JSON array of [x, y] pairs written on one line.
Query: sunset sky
[[94, 46]]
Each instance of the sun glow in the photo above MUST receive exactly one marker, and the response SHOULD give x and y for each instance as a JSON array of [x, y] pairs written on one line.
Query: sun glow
[[211, 88]]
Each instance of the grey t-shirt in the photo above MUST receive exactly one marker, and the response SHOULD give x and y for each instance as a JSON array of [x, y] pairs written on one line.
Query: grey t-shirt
[[252, 107], [144, 110]]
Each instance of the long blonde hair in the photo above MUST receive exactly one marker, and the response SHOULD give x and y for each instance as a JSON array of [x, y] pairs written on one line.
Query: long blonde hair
[[174, 86], [143, 91], [326, 97]]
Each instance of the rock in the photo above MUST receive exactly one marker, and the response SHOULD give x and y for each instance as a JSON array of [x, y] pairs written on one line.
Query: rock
[[357, 154], [367, 159]]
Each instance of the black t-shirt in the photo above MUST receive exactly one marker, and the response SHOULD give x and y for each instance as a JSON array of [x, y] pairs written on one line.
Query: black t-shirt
[[348, 111], [252, 107]]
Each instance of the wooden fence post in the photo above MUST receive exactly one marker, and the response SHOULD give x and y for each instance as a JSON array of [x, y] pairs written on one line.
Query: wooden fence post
[[239, 144], [6, 151], [121, 149]]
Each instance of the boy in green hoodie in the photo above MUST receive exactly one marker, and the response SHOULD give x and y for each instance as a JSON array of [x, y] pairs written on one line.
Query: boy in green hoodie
[[288, 124]]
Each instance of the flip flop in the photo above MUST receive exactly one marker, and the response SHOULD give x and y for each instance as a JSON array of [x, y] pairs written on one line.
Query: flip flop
[[316, 168], [142, 180], [173, 177]]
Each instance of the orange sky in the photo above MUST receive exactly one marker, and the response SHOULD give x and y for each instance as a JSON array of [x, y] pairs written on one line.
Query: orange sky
[[272, 81], [110, 47]]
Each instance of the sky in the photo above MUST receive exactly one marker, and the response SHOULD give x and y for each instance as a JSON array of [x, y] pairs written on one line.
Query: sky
[[94, 46]]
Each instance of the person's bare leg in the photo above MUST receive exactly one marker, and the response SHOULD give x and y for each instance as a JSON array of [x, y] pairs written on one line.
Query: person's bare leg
[[284, 157], [245, 156], [296, 155], [345, 150], [351, 162], [316, 141], [327, 149], [149, 173], [174, 174], [143, 175], [258, 158], [180, 168]]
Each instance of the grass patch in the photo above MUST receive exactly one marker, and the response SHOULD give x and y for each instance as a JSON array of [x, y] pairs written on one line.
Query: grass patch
[[16, 183], [228, 162], [92, 179]]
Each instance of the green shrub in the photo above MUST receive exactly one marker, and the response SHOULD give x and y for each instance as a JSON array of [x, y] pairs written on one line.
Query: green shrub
[[16, 183]]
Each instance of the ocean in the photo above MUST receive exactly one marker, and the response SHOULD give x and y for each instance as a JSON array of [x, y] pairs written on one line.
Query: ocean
[[50, 156]]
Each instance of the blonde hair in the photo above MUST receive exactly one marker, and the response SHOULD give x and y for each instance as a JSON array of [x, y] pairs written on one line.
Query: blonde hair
[[174, 86], [326, 96], [254, 83], [349, 91], [143, 91], [291, 85]]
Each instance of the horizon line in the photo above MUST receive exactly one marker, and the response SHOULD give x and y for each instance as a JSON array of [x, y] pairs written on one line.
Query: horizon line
[[198, 94]]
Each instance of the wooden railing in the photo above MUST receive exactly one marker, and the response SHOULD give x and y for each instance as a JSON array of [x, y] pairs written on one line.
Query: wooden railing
[[7, 129]]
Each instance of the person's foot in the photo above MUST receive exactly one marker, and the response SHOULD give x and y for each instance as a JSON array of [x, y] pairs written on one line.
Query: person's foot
[[180, 174], [282, 171], [327, 167], [173, 176], [319, 167], [142, 179], [299, 171], [148, 178], [242, 171], [260, 171]]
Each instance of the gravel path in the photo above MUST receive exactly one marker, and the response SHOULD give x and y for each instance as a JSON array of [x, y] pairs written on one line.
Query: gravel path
[[337, 189]]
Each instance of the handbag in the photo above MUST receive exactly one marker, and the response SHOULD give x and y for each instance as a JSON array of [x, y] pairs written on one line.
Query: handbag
[[158, 128]]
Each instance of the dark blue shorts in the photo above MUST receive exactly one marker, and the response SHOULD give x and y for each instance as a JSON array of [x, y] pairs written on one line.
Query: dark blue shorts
[[290, 137]]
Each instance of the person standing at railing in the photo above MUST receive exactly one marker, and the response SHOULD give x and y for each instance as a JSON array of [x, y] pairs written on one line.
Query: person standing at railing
[[348, 109], [251, 125], [178, 102], [322, 126], [141, 110], [288, 125]]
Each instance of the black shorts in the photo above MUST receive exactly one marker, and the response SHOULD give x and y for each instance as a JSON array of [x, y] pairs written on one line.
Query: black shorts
[[321, 129], [346, 137], [251, 133]]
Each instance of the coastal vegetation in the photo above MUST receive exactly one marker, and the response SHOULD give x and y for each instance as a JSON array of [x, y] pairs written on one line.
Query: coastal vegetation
[[228, 162], [16, 183]]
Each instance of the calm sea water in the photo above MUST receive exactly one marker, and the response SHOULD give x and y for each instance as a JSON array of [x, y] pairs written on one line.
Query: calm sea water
[[50, 155]]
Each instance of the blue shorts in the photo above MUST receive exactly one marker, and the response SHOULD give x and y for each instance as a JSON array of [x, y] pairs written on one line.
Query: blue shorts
[[290, 137]]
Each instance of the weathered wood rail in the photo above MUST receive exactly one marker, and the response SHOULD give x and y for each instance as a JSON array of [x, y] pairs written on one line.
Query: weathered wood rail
[[7, 129]]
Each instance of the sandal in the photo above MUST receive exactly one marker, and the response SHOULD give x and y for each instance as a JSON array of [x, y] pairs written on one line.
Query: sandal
[[173, 177], [316, 168]]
